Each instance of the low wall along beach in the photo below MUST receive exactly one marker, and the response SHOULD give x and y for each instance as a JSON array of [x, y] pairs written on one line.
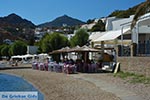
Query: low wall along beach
[[138, 65]]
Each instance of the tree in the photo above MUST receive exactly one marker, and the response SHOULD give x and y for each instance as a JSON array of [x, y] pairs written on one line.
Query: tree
[[58, 41], [1, 47], [18, 48], [45, 44], [99, 26], [116, 13], [80, 38], [31, 40], [4, 50], [90, 21], [142, 9], [52, 42], [39, 43], [123, 13]]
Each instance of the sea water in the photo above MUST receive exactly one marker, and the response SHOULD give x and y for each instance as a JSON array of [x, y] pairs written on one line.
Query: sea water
[[11, 83]]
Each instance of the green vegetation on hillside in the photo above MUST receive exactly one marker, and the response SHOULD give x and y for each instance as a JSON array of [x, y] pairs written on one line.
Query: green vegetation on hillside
[[99, 26], [141, 10], [124, 13]]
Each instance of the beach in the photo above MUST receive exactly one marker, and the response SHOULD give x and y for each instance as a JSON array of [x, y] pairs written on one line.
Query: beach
[[60, 86]]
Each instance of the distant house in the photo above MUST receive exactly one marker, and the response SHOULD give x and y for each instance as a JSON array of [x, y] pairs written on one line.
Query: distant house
[[88, 26], [69, 36], [40, 32], [7, 41]]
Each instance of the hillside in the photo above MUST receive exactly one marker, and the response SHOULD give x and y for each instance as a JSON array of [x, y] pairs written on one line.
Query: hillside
[[63, 20], [124, 13], [16, 20], [14, 27]]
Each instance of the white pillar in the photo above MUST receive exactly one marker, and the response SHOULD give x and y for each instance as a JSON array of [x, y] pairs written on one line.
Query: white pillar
[[28, 48]]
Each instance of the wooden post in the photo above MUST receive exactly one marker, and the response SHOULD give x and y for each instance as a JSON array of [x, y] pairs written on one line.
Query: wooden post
[[92, 44], [122, 52], [102, 47]]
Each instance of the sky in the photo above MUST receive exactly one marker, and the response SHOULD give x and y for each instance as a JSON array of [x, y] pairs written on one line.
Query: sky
[[41, 11]]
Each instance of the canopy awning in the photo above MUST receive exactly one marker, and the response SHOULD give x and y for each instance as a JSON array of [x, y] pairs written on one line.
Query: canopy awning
[[75, 49], [119, 42], [95, 35], [65, 49], [22, 56], [111, 35], [84, 49]]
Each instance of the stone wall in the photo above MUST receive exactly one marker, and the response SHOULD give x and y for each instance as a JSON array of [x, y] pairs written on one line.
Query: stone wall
[[138, 65]]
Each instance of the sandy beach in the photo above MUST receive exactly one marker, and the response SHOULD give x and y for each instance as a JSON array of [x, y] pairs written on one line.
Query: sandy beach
[[60, 86]]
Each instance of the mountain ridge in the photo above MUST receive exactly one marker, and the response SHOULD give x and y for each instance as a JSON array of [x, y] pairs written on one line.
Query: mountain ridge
[[62, 20], [15, 19], [15, 27]]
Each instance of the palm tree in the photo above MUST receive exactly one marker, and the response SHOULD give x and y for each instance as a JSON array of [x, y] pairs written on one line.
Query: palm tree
[[142, 9]]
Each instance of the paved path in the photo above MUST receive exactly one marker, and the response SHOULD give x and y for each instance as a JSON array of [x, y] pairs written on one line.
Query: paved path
[[120, 92]]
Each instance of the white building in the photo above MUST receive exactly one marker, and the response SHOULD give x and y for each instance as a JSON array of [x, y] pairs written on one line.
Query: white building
[[32, 49], [88, 26], [118, 32]]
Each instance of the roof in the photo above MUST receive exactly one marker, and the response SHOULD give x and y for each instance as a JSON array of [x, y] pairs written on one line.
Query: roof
[[95, 35], [75, 49], [111, 35], [85, 49], [65, 49]]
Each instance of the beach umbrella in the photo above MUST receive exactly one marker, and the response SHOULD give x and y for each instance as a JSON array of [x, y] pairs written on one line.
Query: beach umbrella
[[74, 49], [86, 49], [62, 50]]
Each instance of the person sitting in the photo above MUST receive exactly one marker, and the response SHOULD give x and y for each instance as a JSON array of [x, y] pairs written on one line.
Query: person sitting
[[71, 62]]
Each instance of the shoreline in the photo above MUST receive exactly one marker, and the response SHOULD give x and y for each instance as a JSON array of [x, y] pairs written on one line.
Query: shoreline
[[79, 86], [60, 86], [13, 84]]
